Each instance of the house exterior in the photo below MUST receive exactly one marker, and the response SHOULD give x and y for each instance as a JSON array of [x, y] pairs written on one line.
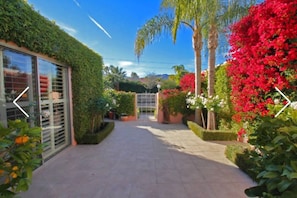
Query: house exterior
[[47, 77], [47, 101]]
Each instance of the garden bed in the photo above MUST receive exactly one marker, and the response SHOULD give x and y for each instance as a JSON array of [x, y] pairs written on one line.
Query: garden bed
[[97, 137], [204, 134]]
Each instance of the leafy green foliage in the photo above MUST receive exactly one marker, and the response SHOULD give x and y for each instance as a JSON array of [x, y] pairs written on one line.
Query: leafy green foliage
[[98, 108], [240, 155], [175, 101], [168, 84], [223, 90], [132, 86], [125, 103], [113, 75], [211, 134], [25, 27], [275, 140], [151, 30], [20, 151]]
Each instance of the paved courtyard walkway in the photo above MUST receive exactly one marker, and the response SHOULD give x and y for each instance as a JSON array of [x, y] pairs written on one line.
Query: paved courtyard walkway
[[141, 159]]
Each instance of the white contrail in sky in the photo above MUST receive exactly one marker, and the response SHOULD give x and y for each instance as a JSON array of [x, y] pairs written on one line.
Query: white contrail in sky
[[76, 3], [99, 26], [93, 20]]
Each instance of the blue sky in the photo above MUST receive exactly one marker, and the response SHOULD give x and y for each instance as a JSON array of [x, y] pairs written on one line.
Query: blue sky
[[110, 28]]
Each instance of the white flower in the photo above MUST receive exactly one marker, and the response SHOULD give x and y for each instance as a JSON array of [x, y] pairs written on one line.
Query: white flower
[[245, 125], [221, 104], [276, 101], [294, 105], [212, 109]]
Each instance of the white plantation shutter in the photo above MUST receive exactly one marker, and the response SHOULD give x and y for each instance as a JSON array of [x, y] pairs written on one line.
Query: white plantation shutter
[[54, 114]]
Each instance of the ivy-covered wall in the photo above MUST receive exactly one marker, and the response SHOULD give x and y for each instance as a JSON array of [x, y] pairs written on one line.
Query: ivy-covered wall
[[22, 25]]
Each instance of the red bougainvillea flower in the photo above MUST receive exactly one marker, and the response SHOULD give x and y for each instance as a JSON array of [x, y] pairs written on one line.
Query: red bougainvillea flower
[[263, 56]]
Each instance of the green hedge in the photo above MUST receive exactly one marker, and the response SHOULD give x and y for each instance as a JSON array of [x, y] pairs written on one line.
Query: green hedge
[[213, 134], [131, 86], [125, 103], [240, 155], [20, 24], [96, 138]]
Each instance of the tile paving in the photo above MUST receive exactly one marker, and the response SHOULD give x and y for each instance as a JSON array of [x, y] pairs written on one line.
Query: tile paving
[[141, 159]]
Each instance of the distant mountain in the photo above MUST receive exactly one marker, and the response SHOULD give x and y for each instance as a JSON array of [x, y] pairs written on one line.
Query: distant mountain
[[163, 76]]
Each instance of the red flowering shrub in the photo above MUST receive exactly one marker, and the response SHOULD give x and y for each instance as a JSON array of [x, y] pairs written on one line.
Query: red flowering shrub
[[241, 133], [175, 101], [264, 56], [187, 82]]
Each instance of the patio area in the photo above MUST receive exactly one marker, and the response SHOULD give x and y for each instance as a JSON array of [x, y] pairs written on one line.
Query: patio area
[[141, 159]]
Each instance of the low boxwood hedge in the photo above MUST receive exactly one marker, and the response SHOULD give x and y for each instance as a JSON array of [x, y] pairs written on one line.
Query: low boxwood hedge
[[96, 138], [240, 154], [211, 134]]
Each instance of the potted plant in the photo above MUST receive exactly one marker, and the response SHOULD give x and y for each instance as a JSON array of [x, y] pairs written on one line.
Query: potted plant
[[124, 117]]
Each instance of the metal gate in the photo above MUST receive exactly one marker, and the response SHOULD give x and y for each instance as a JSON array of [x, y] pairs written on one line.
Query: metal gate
[[146, 105]]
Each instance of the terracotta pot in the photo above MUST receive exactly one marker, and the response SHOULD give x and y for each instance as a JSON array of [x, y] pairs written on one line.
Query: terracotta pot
[[124, 118], [111, 115]]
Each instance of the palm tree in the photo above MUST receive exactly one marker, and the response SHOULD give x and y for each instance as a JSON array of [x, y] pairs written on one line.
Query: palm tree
[[185, 12], [219, 14], [180, 71], [114, 75]]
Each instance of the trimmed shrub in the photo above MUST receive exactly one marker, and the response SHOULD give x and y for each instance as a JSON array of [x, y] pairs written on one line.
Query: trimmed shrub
[[211, 134], [131, 86], [240, 155], [175, 101], [96, 138], [125, 103]]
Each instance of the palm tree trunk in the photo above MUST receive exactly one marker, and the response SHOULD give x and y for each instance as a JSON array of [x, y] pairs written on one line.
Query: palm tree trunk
[[197, 46], [212, 46]]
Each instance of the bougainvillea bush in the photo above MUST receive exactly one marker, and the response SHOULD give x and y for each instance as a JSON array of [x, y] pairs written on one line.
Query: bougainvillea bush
[[175, 101], [264, 56], [187, 82]]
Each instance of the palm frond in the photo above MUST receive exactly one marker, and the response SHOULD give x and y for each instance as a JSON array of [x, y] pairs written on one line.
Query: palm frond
[[151, 30]]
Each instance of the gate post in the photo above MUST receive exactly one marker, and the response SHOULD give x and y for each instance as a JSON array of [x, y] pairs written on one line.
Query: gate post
[[135, 107]]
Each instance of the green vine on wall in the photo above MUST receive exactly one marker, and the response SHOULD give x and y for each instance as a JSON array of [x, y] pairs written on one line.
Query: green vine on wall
[[20, 24]]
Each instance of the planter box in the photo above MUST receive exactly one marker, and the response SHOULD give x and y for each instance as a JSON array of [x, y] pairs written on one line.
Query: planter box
[[128, 118], [96, 138], [173, 119]]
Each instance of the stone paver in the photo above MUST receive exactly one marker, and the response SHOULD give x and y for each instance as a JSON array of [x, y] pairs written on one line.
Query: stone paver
[[141, 159]]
